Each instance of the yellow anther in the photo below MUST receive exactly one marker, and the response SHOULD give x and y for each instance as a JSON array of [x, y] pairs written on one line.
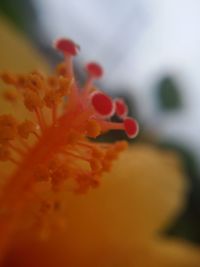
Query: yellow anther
[[32, 101], [9, 78], [93, 128], [21, 81], [35, 82], [25, 128], [51, 99], [10, 96], [64, 85]]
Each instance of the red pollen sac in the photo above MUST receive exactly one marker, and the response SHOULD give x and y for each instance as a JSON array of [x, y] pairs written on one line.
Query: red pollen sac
[[131, 127], [94, 70], [66, 46], [102, 104], [121, 108]]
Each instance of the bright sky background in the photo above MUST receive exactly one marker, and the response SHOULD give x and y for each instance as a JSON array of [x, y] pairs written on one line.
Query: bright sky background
[[137, 41]]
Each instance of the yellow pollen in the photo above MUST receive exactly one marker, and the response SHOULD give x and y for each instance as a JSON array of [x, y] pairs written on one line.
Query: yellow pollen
[[32, 101], [93, 128], [10, 96], [26, 128], [52, 98], [9, 78]]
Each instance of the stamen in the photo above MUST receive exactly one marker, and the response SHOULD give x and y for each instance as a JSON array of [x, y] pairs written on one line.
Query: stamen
[[10, 96], [69, 49]]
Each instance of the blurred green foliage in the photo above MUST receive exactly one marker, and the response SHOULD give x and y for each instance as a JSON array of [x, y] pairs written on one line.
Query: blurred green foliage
[[20, 12], [168, 94], [187, 225]]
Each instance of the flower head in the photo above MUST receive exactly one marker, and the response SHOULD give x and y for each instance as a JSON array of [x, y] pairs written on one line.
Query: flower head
[[51, 151], [53, 144]]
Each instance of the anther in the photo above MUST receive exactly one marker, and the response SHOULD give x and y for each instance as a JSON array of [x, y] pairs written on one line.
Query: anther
[[32, 101], [10, 96], [93, 128], [25, 128]]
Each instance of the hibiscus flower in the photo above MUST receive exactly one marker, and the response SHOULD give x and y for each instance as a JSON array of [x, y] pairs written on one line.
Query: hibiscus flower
[[67, 200]]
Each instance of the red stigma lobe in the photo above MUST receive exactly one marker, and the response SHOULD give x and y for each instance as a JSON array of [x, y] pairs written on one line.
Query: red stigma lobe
[[102, 104], [94, 70], [66, 46], [131, 127], [121, 108]]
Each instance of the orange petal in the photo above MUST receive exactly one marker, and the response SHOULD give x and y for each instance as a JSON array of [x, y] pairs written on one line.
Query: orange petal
[[113, 225]]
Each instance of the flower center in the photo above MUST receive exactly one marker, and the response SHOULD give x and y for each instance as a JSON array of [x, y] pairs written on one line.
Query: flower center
[[54, 145]]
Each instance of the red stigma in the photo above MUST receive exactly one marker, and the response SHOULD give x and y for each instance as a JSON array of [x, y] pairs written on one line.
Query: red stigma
[[66, 46], [94, 70], [131, 127], [102, 104], [121, 108]]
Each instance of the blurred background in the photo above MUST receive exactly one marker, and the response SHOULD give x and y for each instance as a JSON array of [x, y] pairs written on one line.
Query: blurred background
[[150, 50]]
